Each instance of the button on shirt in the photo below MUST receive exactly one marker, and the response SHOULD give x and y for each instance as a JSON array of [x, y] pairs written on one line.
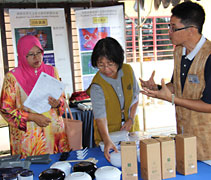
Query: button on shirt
[[98, 99]]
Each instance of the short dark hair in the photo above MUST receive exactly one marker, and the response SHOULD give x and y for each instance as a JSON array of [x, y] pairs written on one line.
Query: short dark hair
[[190, 13], [109, 48]]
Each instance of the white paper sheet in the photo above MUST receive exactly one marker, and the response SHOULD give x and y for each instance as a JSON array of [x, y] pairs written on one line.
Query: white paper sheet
[[45, 86]]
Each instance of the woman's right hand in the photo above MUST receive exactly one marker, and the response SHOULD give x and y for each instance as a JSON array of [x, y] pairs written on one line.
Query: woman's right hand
[[150, 84], [107, 147], [39, 119], [103, 130]]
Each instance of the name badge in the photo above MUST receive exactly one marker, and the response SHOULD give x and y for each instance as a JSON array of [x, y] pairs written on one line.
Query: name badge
[[193, 78]]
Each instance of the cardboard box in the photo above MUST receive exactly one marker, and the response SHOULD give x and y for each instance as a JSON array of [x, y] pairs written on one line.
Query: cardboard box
[[186, 154], [167, 149], [129, 160], [150, 159]]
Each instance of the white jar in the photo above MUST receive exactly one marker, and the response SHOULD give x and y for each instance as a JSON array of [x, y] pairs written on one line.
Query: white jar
[[26, 175], [10, 177], [115, 158], [108, 173], [78, 176], [63, 166]]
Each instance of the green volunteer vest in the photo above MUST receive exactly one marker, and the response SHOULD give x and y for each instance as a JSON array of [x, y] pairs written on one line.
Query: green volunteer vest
[[113, 110]]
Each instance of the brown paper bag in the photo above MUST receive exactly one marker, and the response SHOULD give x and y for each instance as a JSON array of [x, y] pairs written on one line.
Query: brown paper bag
[[73, 129]]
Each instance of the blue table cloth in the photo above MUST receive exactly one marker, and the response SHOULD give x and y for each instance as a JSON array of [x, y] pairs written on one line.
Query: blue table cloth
[[204, 170]]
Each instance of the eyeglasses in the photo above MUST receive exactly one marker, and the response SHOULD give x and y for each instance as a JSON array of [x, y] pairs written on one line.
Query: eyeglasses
[[32, 55], [103, 66], [172, 29]]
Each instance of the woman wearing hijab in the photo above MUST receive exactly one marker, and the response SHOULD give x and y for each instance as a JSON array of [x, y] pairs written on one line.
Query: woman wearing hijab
[[31, 133]]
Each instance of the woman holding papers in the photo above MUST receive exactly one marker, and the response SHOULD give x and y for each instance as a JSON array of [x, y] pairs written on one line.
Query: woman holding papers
[[31, 133]]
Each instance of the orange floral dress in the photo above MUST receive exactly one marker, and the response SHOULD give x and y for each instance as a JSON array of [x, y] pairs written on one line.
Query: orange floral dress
[[26, 137]]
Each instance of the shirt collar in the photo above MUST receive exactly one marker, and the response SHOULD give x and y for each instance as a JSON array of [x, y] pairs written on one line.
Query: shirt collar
[[110, 80], [193, 53]]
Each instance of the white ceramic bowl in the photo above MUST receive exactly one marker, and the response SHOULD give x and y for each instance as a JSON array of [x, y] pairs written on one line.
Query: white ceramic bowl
[[63, 166], [115, 158], [119, 136], [78, 176], [108, 173]]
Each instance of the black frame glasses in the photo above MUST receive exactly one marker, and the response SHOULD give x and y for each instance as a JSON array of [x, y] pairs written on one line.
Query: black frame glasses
[[32, 55], [178, 29], [103, 66]]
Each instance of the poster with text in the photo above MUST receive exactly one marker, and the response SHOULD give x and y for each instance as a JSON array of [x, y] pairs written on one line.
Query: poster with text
[[49, 26], [93, 25]]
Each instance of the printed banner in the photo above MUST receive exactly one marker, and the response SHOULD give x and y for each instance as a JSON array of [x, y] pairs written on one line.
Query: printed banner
[[49, 26], [94, 24]]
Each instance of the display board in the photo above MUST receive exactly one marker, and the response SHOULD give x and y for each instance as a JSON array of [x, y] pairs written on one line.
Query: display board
[[49, 26], [94, 24]]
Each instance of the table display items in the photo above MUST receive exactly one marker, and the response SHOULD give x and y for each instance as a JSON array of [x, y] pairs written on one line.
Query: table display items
[[16, 172], [26, 175], [156, 156], [167, 149], [39, 159], [108, 173], [52, 174], [65, 155], [129, 160], [186, 154], [24, 164], [10, 158], [91, 159], [87, 167], [150, 159], [81, 154], [78, 176], [10, 176], [118, 136], [115, 158], [101, 144], [63, 166]]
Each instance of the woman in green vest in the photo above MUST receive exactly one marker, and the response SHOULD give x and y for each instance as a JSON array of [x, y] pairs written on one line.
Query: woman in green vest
[[114, 93]]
